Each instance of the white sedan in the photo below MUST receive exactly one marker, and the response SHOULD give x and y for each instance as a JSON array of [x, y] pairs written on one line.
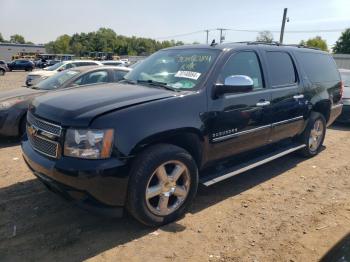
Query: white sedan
[[39, 75]]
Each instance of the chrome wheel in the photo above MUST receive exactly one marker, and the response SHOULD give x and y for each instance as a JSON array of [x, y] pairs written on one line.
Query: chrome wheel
[[316, 135], [167, 188]]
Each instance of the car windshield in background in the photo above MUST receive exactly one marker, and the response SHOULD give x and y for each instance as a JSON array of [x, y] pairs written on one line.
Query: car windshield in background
[[179, 69], [346, 78], [56, 81], [54, 67]]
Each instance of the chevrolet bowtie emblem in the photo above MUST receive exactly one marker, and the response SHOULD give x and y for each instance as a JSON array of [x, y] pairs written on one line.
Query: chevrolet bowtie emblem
[[32, 130]]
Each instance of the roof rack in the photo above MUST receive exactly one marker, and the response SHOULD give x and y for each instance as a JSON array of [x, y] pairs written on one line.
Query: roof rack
[[276, 44]]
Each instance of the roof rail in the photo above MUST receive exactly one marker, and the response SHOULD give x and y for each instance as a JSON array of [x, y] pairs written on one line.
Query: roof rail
[[275, 43]]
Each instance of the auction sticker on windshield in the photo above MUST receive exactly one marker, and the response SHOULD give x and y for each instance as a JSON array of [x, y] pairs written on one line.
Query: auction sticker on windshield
[[188, 74]]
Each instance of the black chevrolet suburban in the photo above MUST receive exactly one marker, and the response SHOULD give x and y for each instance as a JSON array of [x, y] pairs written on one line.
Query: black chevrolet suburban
[[185, 116]]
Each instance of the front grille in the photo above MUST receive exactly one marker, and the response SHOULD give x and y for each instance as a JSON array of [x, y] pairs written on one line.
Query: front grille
[[43, 145], [43, 136], [46, 126]]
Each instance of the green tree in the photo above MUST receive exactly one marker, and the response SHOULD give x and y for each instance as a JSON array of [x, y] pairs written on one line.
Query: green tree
[[1, 38], [342, 46], [316, 42], [265, 36], [106, 40], [17, 39]]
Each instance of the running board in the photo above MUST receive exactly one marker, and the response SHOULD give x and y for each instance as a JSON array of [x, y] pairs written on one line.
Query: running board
[[238, 169]]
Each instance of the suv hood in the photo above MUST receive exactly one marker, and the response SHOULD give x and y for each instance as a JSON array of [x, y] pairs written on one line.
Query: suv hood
[[77, 107]]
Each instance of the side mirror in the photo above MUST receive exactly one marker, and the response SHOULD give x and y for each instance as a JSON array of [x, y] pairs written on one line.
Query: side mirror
[[60, 70], [235, 84]]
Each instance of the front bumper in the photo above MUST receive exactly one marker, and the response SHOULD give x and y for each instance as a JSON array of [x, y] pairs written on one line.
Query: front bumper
[[98, 184], [33, 80], [345, 115]]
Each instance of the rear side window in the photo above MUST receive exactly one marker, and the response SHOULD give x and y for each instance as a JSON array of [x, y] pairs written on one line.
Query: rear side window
[[282, 72], [93, 78], [119, 75], [318, 67]]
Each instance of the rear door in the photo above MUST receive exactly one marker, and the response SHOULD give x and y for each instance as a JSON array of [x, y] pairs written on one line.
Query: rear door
[[288, 105], [237, 121]]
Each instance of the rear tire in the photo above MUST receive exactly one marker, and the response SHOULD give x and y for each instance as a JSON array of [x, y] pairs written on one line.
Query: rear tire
[[313, 135], [163, 183]]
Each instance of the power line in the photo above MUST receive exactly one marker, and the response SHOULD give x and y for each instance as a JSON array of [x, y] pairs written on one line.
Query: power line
[[180, 35], [253, 31]]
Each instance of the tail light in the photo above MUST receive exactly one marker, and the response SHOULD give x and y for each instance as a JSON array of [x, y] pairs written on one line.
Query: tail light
[[341, 89]]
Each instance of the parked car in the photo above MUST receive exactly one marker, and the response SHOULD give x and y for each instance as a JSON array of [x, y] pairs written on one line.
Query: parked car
[[3, 68], [136, 63], [21, 64], [345, 116], [39, 75], [45, 63], [186, 115], [14, 103], [114, 63]]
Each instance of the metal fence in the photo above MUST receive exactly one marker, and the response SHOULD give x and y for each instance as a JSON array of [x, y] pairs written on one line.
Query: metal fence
[[342, 60]]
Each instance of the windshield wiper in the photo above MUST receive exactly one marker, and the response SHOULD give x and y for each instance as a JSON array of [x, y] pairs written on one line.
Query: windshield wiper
[[156, 83], [124, 80]]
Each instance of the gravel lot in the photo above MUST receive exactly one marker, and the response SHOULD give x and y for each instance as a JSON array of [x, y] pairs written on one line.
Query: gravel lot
[[13, 80], [289, 210]]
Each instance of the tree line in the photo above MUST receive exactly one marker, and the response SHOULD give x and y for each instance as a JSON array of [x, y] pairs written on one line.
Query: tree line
[[106, 40], [342, 46]]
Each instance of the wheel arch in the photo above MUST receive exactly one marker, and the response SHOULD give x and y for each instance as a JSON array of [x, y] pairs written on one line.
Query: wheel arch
[[189, 139], [323, 107]]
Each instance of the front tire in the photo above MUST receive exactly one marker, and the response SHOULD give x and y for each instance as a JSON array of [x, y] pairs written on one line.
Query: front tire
[[313, 135], [163, 183], [2, 72]]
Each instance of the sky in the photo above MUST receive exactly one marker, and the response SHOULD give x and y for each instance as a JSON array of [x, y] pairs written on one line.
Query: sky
[[40, 21]]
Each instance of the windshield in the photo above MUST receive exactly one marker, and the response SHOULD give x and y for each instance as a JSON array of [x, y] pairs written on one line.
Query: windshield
[[175, 68], [346, 78], [54, 67], [56, 81]]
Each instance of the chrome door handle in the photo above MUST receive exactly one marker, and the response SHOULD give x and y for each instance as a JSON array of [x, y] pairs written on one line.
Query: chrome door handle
[[263, 103], [298, 96]]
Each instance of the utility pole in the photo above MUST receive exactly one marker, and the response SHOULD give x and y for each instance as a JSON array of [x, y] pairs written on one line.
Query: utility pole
[[283, 24], [207, 31], [221, 37]]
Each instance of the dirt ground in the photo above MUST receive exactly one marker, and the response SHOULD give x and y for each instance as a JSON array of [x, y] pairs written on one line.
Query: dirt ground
[[292, 209]]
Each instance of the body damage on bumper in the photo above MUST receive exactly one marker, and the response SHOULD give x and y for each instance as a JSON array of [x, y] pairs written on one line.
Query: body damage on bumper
[[102, 183]]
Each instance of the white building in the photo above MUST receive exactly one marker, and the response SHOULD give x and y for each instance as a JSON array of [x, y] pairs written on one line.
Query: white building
[[8, 50]]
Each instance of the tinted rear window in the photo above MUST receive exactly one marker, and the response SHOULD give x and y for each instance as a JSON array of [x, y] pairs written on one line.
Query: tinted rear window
[[318, 67], [281, 67]]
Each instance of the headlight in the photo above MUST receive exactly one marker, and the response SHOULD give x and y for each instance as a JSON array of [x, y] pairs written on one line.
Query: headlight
[[8, 103], [89, 143]]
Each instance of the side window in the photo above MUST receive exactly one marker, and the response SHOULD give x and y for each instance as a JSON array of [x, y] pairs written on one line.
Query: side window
[[281, 69], [119, 75], [90, 64], [318, 67], [78, 64], [67, 66], [243, 63], [93, 78]]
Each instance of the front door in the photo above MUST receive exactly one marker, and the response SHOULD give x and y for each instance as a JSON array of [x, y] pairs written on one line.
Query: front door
[[237, 122], [288, 105]]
